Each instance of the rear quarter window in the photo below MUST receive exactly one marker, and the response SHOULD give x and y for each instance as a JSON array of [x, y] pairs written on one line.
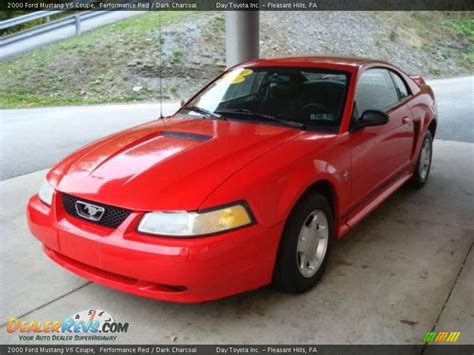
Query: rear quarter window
[[375, 91], [400, 86]]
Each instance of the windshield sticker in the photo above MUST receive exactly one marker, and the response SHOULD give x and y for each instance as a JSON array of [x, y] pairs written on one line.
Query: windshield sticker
[[321, 117], [241, 76], [236, 76]]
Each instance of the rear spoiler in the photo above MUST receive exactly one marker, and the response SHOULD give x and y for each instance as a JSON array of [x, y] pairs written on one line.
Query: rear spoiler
[[422, 84], [418, 79]]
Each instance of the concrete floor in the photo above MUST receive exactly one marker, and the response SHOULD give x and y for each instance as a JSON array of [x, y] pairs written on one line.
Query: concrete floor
[[404, 271]]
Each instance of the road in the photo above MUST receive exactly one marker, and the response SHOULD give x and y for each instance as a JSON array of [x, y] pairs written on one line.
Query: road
[[40, 40], [34, 139], [456, 108]]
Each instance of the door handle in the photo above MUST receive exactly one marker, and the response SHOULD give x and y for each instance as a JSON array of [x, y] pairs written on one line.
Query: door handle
[[406, 120]]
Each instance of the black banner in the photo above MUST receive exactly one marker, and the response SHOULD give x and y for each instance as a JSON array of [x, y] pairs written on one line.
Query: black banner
[[240, 349], [239, 5]]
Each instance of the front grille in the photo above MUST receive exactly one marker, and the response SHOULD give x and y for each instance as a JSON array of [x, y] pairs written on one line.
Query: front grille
[[112, 218]]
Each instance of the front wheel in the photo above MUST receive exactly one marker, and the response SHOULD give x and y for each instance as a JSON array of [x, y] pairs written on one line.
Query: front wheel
[[304, 245], [423, 166]]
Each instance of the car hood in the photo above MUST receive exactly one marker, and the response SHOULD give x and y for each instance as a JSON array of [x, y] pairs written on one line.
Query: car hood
[[169, 164]]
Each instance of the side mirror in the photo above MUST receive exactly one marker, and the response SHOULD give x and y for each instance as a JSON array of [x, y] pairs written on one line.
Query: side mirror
[[370, 118]]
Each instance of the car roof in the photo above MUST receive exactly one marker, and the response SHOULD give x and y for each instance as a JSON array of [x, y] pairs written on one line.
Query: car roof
[[323, 60]]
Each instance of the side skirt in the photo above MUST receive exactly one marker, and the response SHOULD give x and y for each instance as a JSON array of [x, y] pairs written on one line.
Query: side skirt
[[372, 205]]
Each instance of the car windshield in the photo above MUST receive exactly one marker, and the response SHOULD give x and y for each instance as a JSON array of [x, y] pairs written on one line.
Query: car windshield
[[297, 97]]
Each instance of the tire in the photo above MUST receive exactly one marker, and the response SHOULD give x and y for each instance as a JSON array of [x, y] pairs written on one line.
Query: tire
[[423, 165], [292, 273]]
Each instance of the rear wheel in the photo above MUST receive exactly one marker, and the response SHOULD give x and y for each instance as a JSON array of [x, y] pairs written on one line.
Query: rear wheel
[[423, 166], [305, 245]]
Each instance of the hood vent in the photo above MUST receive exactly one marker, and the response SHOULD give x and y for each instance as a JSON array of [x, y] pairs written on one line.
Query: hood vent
[[186, 135]]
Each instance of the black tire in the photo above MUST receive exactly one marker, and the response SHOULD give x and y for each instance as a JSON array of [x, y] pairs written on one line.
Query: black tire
[[287, 276], [419, 179]]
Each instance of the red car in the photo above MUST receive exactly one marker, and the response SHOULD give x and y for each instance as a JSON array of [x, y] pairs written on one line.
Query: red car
[[248, 184]]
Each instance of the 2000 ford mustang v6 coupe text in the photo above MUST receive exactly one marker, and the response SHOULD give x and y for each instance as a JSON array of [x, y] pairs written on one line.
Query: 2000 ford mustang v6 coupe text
[[247, 184]]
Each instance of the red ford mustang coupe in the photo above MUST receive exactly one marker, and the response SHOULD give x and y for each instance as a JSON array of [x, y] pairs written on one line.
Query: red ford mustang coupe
[[248, 184]]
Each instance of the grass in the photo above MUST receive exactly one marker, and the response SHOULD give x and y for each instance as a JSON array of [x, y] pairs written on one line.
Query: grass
[[465, 29], [177, 54], [447, 35], [89, 69]]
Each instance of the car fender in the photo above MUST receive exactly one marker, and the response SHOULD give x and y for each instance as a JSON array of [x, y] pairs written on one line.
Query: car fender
[[274, 183], [299, 184], [424, 111]]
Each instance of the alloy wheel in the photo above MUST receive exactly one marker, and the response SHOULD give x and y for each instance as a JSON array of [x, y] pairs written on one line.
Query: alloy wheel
[[312, 243]]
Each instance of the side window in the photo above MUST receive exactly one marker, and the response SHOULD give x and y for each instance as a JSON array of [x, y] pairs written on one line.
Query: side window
[[375, 91], [400, 86]]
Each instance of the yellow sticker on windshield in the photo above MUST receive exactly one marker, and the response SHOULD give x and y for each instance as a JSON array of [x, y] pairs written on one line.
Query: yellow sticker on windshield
[[236, 77], [246, 72], [241, 76]]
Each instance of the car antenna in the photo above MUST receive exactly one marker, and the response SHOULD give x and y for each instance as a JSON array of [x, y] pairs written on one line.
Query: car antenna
[[161, 65]]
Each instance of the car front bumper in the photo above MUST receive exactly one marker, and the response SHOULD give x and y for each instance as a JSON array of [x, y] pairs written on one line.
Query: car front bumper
[[172, 269]]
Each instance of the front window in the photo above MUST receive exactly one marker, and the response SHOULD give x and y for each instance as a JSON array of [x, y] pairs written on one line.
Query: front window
[[299, 97]]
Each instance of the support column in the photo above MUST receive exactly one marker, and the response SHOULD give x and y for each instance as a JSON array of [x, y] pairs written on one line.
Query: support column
[[241, 36]]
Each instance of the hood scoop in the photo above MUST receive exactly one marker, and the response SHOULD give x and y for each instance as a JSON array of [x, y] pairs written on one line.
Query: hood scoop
[[186, 135]]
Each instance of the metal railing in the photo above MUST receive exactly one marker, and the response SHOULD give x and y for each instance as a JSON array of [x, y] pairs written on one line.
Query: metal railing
[[48, 26], [19, 20]]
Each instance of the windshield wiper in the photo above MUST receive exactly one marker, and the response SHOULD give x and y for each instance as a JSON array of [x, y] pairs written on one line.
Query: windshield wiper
[[201, 111], [262, 115]]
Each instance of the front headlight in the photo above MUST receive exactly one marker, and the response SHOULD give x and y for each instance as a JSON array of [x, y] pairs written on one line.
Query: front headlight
[[46, 193], [190, 224]]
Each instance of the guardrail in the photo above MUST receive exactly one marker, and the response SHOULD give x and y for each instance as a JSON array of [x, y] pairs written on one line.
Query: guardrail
[[50, 25], [19, 20]]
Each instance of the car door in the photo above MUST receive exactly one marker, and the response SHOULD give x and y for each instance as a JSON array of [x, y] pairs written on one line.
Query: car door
[[379, 153], [409, 125]]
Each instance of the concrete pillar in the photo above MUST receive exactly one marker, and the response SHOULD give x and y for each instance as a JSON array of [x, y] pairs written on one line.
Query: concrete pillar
[[241, 36]]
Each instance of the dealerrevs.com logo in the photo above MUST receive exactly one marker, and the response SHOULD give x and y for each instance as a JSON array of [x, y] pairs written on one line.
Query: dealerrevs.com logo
[[87, 325]]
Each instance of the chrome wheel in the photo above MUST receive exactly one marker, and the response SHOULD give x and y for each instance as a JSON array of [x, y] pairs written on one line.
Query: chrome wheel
[[312, 243], [425, 159]]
